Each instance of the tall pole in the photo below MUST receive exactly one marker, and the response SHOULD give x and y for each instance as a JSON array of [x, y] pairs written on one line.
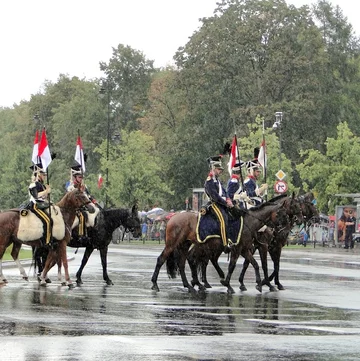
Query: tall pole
[[107, 146], [277, 124]]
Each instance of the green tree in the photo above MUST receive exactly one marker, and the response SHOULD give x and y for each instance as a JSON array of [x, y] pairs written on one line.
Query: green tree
[[336, 171], [133, 172]]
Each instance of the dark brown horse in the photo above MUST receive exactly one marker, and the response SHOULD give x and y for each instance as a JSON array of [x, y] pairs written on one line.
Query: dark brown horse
[[13, 231], [310, 216], [263, 243], [181, 234], [101, 234]]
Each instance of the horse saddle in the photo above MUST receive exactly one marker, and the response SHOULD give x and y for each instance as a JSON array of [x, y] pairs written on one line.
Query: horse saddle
[[208, 227], [90, 217], [31, 228]]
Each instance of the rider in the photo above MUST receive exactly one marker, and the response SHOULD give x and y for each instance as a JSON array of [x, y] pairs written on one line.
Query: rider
[[219, 201], [252, 189], [39, 200], [234, 187], [77, 182]]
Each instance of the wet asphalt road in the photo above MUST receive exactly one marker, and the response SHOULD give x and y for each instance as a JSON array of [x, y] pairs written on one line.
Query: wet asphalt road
[[315, 318]]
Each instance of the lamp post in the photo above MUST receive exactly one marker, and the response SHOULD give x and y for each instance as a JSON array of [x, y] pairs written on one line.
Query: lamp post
[[276, 125], [102, 92]]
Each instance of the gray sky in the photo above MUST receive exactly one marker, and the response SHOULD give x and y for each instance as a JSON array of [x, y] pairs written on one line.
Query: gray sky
[[42, 38]]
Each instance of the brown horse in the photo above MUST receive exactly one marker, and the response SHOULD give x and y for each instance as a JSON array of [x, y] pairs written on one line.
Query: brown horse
[[13, 231], [263, 244], [181, 234]]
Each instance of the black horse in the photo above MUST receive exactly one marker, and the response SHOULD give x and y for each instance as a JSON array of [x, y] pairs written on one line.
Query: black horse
[[99, 236]]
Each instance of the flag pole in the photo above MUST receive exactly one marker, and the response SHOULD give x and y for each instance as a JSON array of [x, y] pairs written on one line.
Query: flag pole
[[264, 144]]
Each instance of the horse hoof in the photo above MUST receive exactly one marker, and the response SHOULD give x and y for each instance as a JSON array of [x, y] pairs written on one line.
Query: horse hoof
[[155, 287], [79, 282], [230, 290], [259, 288], [5, 280], [202, 288], [207, 285], [43, 284], [47, 280], [280, 287], [224, 283], [109, 282], [63, 284], [191, 289], [26, 278], [243, 288], [71, 286], [272, 288]]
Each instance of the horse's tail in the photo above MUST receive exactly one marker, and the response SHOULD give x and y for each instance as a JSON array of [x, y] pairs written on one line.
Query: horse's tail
[[172, 265]]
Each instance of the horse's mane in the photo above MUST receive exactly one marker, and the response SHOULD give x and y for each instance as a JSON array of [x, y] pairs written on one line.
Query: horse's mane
[[276, 198]]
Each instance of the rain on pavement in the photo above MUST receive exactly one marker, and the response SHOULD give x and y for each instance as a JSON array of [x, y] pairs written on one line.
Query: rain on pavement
[[315, 318]]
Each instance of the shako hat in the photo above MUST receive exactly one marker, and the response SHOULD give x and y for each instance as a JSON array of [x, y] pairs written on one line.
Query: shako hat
[[37, 168], [215, 162]]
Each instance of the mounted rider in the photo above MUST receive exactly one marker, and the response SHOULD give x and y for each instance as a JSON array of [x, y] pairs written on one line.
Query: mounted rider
[[254, 192], [234, 188], [39, 200], [219, 200], [77, 182]]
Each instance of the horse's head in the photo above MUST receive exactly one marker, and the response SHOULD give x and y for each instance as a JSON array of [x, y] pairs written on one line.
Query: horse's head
[[133, 223], [308, 209], [79, 199], [294, 211]]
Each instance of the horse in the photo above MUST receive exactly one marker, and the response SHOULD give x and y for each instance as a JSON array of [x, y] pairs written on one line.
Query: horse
[[310, 215], [181, 234], [263, 244], [99, 236], [15, 232]]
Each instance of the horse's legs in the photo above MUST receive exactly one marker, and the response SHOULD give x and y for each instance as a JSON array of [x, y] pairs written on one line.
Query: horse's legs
[[242, 275], [183, 255], [275, 256], [214, 260], [62, 258], [103, 256], [263, 250], [247, 254], [88, 251], [164, 255], [226, 282], [194, 270], [15, 255], [50, 262]]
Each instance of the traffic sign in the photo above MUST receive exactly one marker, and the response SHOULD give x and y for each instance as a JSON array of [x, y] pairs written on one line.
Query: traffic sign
[[280, 175], [280, 186]]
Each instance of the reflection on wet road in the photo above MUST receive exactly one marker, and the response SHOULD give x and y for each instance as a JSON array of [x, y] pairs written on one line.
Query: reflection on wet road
[[315, 318]]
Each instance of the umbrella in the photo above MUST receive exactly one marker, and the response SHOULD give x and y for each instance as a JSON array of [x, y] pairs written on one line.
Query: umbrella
[[154, 213]]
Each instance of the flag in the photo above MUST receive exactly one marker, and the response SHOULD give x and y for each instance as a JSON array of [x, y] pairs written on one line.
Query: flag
[[79, 153], [100, 181], [35, 152], [44, 151], [262, 159], [234, 155]]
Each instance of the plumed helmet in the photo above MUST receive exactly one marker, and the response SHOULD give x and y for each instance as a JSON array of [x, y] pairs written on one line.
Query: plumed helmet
[[215, 162], [252, 165], [37, 168], [236, 169], [76, 170]]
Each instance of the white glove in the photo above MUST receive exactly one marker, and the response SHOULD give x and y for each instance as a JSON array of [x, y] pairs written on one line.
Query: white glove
[[240, 196], [263, 188]]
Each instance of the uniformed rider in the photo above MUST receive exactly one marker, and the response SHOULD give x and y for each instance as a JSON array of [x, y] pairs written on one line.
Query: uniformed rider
[[254, 192], [77, 182], [219, 201], [39, 200]]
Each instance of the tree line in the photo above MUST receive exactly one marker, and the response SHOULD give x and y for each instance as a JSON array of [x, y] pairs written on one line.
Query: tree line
[[150, 130]]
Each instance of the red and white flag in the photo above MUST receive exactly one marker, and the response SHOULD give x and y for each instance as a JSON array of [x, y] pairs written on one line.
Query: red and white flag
[[79, 153], [234, 155], [100, 181], [262, 159], [35, 151], [44, 151]]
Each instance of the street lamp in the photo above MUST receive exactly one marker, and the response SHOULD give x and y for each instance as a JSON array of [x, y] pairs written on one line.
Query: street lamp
[[276, 125], [102, 92]]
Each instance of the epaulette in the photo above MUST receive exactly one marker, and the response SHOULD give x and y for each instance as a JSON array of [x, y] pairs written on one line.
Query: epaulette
[[208, 178], [32, 185]]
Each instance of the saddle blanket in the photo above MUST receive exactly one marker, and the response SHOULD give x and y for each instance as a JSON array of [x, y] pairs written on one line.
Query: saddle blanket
[[209, 227], [31, 228], [90, 217]]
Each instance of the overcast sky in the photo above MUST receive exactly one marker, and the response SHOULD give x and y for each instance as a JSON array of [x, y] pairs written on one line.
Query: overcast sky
[[41, 39]]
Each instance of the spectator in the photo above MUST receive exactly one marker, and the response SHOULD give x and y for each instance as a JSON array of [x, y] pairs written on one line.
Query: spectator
[[144, 230], [349, 229]]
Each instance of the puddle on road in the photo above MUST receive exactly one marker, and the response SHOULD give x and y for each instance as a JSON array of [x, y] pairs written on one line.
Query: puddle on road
[[102, 310]]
